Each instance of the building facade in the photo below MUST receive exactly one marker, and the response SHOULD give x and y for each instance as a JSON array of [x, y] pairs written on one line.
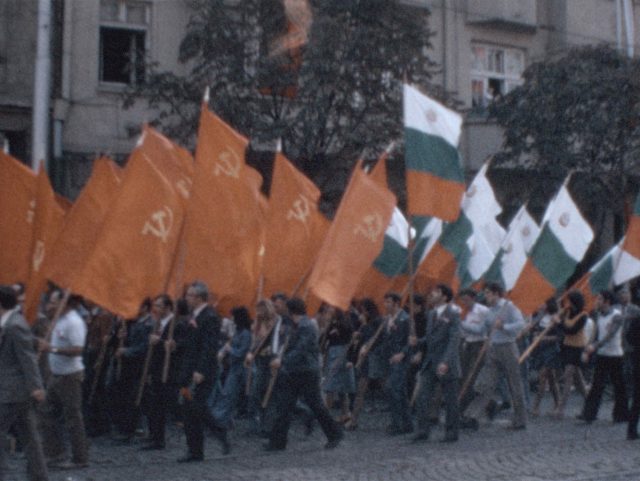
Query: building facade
[[483, 46]]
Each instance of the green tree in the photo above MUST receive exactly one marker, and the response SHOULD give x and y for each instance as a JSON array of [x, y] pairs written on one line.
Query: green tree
[[346, 80], [579, 112]]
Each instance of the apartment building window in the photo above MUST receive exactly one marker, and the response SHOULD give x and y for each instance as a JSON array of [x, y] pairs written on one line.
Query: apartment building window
[[494, 71], [124, 40]]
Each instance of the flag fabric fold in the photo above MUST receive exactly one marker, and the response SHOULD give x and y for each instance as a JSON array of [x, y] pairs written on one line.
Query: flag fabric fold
[[83, 223]]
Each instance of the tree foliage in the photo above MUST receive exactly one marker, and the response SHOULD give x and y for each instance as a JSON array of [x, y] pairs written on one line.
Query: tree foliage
[[580, 113], [347, 84]]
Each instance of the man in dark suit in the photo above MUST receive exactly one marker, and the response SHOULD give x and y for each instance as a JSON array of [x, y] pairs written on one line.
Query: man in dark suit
[[198, 370], [299, 378], [440, 364], [160, 394], [20, 384], [395, 346]]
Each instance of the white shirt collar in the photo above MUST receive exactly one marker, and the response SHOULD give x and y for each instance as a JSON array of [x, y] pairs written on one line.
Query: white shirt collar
[[165, 321], [198, 310], [6, 315]]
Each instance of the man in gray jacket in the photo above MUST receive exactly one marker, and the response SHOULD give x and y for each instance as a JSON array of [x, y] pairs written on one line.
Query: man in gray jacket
[[20, 384], [441, 363], [503, 322]]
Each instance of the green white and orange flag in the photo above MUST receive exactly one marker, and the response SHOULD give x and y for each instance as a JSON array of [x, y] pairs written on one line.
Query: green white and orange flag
[[512, 256], [601, 276], [47, 225], [18, 187], [83, 223], [354, 240], [133, 254], [435, 179], [223, 231], [295, 229], [619, 265], [563, 241], [627, 267], [466, 247]]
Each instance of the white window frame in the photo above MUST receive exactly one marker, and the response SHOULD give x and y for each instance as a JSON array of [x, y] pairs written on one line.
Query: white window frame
[[494, 69], [122, 23]]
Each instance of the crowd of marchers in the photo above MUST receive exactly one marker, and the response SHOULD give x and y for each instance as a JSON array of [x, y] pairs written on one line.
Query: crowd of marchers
[[82, 372]]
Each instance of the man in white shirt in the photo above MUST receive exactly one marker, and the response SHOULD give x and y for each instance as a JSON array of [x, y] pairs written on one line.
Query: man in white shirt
[[64, 391]]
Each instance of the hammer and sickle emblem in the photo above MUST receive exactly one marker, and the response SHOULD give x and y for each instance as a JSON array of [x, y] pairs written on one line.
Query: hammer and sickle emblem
[[38, 255], [300, 211], [32, 211], [160, 224], [371, 227], [228, 164]]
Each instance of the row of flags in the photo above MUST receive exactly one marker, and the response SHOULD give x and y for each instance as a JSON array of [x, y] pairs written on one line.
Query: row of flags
[[168, 218]]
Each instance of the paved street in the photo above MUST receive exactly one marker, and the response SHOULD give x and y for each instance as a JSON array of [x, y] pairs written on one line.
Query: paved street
[[547, 450]]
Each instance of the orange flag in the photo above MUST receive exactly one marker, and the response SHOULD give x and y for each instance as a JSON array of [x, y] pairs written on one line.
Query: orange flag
[[18, 199], [388, 269], [174, 162], [295, 229], [133, 254], [223, 230], [47, 224], [354, 240], [83, 223]]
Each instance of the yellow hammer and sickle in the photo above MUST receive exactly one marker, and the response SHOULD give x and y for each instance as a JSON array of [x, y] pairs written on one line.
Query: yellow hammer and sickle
[[228, 164], [160, 224], [300, 211], [370, 228]]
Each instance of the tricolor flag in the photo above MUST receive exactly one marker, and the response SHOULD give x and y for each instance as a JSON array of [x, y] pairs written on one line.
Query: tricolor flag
[[561, 245], [600, 277], [512, 256], [481, 207], [435, 179], [466, 248], [630, 256]]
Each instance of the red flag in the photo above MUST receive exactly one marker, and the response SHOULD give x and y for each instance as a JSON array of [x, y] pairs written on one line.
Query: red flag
[[18, 188], [83, 223], [224, 227], [134, 252], [293, 210], [354, 240], [48, 223]]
